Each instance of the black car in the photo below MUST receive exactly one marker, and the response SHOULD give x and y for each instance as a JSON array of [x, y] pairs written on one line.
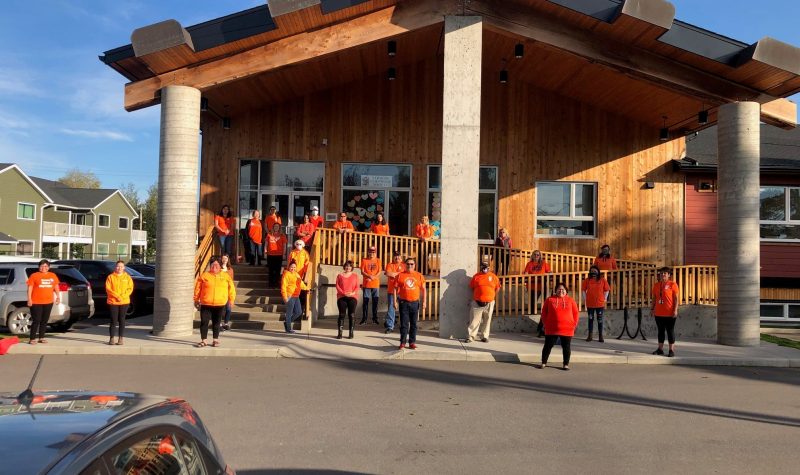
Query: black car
[[104, 433], [97, 272], [148, 270]]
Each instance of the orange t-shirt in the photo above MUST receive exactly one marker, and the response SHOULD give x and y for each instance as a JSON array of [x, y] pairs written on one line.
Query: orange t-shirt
[[595, 292], [276, 245], [390, 281], [270, 220], [371, 267], [536, 268], [605, 263], [484, 286], [225, 224], [665, 296], [380, 229], [318, 221], [255, 231], [43, 284], [342, 225], [308, 229], [409, 285], [424, 231]]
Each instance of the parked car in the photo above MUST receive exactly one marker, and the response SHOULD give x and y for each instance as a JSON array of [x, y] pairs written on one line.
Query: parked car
[[74, 289], [97, 272], [147, 270], [104, 433]]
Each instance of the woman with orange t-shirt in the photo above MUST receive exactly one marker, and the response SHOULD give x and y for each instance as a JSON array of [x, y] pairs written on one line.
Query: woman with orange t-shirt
[[275, 249], [346, 297], [595, 291], [536, 266], [560, 317], [666, 299], [42, 294], [225, 264], [380, 226], [305, 231], [119, 287], [272, 218], [424, 230], [604, 261], [223, 224], [255, 238]]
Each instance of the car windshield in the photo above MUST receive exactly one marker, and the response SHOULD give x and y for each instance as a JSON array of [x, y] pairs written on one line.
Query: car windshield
[[109, 267]]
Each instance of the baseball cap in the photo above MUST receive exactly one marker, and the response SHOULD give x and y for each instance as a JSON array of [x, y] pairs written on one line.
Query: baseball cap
[[315, 208]]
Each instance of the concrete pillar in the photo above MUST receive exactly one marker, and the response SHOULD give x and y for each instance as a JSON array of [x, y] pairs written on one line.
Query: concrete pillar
[[738, 224], [461, 140], [177, 210]]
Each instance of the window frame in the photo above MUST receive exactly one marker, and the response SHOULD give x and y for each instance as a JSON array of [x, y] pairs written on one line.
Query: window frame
[[572, 216], [126, 249], [127, 222], [25, 203], [494, 191], [787, 213], [108, 249], [109, 221], [785, 306], [409, 189], [33, 248]]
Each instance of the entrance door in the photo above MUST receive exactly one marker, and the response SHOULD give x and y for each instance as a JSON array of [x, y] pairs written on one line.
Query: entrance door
[[281, 203], [301, 205], [291, 207]]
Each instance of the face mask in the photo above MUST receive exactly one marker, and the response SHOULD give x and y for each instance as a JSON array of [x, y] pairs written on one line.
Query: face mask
[[485, 271], [314, 212], [594, 275]]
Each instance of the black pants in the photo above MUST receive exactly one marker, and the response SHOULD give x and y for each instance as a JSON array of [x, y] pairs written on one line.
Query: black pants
[[666, 324], [215, 314], [40, 314], [549, 343], [502, 262], [409, 314], [117, 317], [274, 266], [346, 305]]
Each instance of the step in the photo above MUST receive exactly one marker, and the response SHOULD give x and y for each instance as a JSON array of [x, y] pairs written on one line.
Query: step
[[255, 325], [243, 300], [257, 316], [259, 292], [250, 282]]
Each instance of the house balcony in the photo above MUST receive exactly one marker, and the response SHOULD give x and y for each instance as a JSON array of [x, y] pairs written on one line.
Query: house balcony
[[138, 237], [65, 232]]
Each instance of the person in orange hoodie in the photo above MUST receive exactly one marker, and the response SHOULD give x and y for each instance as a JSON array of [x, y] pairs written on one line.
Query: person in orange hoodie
[[291, 286], [213, 290], [595, 291], [371, 284], [42, 294], [225, 265], [119, 287], [301, 257], [666, 300], [560, 317], [484, 285]]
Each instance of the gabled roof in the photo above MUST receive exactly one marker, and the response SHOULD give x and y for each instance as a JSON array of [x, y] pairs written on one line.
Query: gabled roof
[[5, 238], [61, 194], [8, 166], [780, 151]]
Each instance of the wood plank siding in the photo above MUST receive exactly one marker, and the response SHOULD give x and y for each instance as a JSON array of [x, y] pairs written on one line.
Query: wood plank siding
[[529, 133]]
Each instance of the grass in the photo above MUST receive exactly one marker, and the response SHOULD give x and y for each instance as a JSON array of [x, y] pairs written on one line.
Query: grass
[[780, 341]]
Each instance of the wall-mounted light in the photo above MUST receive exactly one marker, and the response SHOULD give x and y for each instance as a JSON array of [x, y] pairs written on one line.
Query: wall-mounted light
[[226, 123], [392, 48], [663, 134], [503, 76], [702, 117], [649, 185], [203, 104], [391, 74], [519, 51]]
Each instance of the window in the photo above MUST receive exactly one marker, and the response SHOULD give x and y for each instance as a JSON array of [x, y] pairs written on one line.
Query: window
[[102, 249], [780, 213], [122, 250], [786, 311], [123, 223], [487, 200], [6, 276], [25, 248], [158, 453], [565, 209], [369, 189], [104, 221], [26, 211]]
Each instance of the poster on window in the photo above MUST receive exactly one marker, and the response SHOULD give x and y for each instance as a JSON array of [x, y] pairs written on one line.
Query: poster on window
[[362, 206], [376, 181]]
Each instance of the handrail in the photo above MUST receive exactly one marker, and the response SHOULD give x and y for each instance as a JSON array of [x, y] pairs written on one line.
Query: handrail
[[204, 252], [313, 269], [512, 261]]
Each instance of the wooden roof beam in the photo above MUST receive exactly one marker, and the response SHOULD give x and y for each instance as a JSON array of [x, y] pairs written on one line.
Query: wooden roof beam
[[379, 25], [780, 113]]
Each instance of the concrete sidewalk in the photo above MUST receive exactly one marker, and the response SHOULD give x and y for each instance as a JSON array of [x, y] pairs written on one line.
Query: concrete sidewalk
[[370, 343]]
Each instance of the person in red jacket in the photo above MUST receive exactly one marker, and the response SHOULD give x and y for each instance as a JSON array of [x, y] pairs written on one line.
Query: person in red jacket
[[595, 291], [560, 317], [666, 299], [484, 285]]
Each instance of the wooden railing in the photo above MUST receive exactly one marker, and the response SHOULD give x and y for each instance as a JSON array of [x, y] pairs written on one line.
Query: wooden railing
[[204, 251], [513, 261], [312, 272]]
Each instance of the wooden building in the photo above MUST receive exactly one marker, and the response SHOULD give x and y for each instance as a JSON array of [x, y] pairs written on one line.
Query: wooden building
[[579, 109]]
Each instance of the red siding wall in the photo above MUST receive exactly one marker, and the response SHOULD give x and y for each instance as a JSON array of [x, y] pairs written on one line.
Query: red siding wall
[[777, 259]]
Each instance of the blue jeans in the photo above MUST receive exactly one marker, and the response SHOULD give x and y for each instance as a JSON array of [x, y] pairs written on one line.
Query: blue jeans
[[409, 313], [293, 310], [255, 252], [227, 313], [592, 312], [390, 313], [370, 295], [226, 245]]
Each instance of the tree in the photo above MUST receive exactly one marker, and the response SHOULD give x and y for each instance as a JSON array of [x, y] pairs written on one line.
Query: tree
[[149, 214], [78, 179], [131, 194]]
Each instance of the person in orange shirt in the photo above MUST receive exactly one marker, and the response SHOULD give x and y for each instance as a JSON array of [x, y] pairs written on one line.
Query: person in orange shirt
[[291, 286], [371, 284], [666, 300], [595, 291], [380, 226], [604, 261], [255, 236], [272, 218], [536, 266], [393, 269], [484, 287], [343, 227], [305, 231], [560, 316], [275, 251], [317, 220], [424, 230], [119, 287], [42, 294], [213, 290], [301, 257], [223, 224], [225, 265], [409, 299]]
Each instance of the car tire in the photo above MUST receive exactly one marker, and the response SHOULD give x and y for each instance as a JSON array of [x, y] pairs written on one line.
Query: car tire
[[19, 321], [132, 309], [64, 327]]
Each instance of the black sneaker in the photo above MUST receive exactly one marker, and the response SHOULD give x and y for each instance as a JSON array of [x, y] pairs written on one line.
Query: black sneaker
[[658, 352], [387, 331], [670, 354]]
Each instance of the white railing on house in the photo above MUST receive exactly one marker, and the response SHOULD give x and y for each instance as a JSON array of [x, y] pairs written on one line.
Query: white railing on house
[[66, 230], [138, 236]]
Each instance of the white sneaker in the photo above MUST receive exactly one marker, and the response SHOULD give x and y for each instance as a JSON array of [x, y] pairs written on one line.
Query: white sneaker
[[469, 340]]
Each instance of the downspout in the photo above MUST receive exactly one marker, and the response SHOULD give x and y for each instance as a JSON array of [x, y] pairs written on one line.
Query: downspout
[[94, 232]]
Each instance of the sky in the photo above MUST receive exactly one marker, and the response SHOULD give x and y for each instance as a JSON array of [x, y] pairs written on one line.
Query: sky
[[61, 108]]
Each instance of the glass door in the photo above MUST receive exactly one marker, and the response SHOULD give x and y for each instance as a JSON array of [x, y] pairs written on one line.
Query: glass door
[[281, 203], [302, 204]]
